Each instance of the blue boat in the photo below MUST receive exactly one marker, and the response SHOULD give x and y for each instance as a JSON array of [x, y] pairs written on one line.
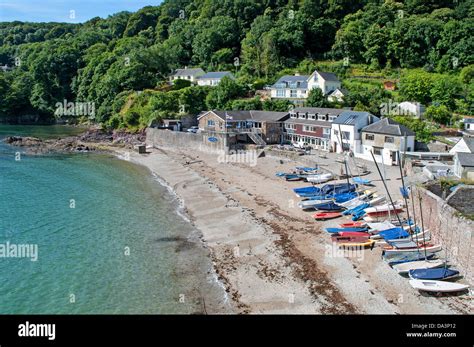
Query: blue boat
[[292, 177], [306, 169], [339, 230], [328, 206], [339, 188], [362, 181], [433, 274], [356, 209], [394, 233], [358, 215], [405, 258]]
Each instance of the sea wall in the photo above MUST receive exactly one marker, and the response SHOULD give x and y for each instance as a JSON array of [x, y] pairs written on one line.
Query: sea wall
[[200, 142], [450, 228]]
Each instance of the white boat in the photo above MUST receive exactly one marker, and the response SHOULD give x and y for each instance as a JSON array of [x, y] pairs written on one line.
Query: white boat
[[428, 248], [403, 268], [356, 201], [308, 204], [383, 208], [319, 178], [377, 201], [381, 226], [438, 286]]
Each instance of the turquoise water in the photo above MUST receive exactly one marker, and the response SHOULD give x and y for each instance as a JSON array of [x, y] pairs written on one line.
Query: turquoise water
[[108, 235]]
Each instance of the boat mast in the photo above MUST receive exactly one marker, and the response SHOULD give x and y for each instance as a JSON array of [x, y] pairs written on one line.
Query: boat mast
[[405, 193], [386, 189], [344, 154], [422, 224]]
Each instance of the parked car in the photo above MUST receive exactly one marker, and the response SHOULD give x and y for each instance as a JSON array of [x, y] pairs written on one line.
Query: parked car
[[193, 129]]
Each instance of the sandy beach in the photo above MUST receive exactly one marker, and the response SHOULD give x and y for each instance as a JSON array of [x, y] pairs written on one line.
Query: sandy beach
[[271, 256]]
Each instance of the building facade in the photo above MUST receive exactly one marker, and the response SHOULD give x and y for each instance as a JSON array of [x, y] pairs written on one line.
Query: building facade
[[310, 126], [346, 130], [190, 75], [213, 79], [384, 139], [297, 88]]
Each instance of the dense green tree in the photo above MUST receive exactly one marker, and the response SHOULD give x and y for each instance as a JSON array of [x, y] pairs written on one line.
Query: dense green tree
[[316, 98], [439, 114]]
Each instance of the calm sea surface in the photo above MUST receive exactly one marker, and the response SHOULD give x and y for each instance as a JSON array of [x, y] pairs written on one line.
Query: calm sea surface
[[109, 238]]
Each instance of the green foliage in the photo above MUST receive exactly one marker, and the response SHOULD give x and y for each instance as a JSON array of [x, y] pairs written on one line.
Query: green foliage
[[98, 60], [247, 104], [316, 98], [420, 127], [220, 97], [180, 84], [439, 114]]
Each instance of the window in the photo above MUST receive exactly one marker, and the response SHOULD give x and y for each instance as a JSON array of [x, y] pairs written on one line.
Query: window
[[210, 123], [332, 118], [336, 133], [389, 139], [293, 93], [321, 117], [327, 131], [369, 137], [293, 115], [257, 125], [308, 128], [313, 116], [346, 135], [281, 93], [377, 151]]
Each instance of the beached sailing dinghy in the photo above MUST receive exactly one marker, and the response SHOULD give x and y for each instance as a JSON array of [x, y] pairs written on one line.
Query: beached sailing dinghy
[[319, 178], [438, 286], [433, 274], [326, 215], [403, 268]]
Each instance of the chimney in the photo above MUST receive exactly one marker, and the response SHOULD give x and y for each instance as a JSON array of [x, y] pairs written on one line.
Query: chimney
[[297, 73], [185, 67]]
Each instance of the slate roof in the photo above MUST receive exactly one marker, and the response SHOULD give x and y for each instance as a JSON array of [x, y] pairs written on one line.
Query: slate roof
[[469, 143], [466, 159], [188, 72], [468, 120], [319, 110], [250, 115], [351, 117], [216, 75], [388, 126], [289, 79], [328, 76]]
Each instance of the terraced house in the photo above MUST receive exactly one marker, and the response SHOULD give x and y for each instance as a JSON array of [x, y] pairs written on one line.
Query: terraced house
[[311, 126]]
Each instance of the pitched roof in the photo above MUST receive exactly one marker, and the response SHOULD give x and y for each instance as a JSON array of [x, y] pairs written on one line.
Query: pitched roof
[[351, 117], [389, 127], [319, 110], [466, 159], [188, 72], [328, 76], [468, 120], [216, 75], [302, 80], [320, 123], [342, 90], [250, 115], [469, 141]]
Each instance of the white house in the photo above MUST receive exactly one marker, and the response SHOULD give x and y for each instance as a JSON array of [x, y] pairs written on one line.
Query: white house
[[384, 139], [346, 130], [325, 81], [187, 74], [338, 95], [213, 78], [297, 87], [469, 124], [464, 165], [465, 145]]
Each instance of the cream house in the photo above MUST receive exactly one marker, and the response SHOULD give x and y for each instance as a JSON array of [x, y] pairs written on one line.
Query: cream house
[[384, 139], [191, 75]]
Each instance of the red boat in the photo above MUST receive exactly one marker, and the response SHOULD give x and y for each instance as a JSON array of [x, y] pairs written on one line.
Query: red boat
[[352, 233], [326, 215], [353, 225], [350, 239], [384, 213]]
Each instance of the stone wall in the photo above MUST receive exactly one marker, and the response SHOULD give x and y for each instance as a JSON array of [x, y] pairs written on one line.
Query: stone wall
[[185, 140], [449, 228]]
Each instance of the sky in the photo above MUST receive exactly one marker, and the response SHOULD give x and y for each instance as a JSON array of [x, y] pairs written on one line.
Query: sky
[[71, 11]]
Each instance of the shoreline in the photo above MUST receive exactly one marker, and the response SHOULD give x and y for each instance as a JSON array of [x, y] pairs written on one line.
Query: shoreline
[[268, 255], [281, 266]]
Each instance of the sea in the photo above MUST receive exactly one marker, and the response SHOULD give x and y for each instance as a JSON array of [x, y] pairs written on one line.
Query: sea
[[88, 233]]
